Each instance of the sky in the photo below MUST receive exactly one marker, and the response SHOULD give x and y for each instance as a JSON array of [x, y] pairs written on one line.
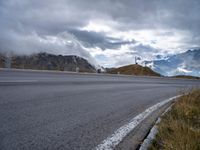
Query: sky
[[110, 33]]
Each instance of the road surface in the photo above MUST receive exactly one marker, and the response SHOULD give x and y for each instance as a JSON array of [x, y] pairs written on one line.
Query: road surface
[[54, 110]]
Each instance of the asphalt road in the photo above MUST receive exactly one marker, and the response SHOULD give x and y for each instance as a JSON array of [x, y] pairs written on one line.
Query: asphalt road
[[46, 110]]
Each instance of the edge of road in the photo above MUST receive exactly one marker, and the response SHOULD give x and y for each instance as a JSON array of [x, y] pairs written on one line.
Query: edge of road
[[136, 138], [153, 131], [130, 135]]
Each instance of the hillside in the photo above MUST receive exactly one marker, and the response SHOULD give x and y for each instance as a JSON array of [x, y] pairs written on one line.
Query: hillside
[[45, 61], [186, 77], [134, 70]]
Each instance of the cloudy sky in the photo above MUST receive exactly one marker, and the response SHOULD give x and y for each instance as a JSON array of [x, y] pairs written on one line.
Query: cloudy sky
[[108, 32]]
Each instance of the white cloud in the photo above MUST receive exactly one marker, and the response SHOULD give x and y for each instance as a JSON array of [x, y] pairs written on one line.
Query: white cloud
[[97, 26], [182, 70]]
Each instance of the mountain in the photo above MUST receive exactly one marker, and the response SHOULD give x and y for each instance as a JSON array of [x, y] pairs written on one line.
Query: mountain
[[187, 63], [45, 61], [133, 70]]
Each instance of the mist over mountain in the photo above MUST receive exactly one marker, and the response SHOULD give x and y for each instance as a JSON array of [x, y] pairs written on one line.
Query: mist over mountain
[[186, 63]]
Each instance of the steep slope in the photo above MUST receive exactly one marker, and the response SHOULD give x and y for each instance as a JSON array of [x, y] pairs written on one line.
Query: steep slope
[[134, 70], [45, 61], [187, 63]]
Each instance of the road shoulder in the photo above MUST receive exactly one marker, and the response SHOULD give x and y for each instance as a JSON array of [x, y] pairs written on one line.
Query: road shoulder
[[134, 139]]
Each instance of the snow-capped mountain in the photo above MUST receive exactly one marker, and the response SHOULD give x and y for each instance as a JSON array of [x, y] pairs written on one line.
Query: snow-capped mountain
[[187, 63]]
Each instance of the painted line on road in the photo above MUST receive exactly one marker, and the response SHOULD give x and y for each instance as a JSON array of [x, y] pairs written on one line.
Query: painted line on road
[[112, 141], [18, 81], [154, 130]]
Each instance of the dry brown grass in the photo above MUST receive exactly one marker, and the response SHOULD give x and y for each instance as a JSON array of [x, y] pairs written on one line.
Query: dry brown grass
[[134, 70], [180, 127], [186, 77]]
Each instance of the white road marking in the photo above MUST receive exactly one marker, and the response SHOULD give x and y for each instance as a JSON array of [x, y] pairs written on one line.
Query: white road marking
[[113, 140], [146, 143]]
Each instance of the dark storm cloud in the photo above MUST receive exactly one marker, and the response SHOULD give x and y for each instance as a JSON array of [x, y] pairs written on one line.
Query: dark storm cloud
[[144, 48], [182, 14], [144, 51], [95, 39]]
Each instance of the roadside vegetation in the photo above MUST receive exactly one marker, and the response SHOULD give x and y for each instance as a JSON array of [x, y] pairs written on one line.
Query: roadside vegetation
[[134, 70], [179, 129], [186, 77]]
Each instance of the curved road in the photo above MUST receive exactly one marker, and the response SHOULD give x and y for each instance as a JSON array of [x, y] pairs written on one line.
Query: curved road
[[56, 110]]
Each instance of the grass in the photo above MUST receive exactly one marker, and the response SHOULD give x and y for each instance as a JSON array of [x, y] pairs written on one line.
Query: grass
[[186, 77], [180, 127], [134, 70]]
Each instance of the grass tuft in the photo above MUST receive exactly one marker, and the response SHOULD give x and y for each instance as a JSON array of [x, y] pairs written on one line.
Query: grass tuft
[[180, 127]]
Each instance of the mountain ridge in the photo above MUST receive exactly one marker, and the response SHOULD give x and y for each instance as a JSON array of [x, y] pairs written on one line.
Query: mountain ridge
[[46, 61], [186, 63]]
